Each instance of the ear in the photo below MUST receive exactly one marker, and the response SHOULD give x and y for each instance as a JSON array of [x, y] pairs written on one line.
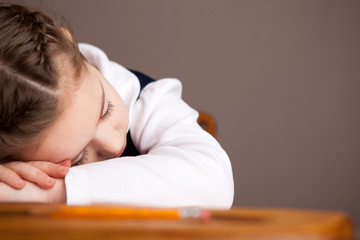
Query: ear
[[67, 34]]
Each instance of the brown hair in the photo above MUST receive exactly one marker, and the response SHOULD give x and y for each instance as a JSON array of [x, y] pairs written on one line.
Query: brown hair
[[30, 45]]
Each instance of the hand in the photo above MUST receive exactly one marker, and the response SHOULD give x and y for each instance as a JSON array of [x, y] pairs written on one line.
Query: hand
[[32, 193], [40, 173]]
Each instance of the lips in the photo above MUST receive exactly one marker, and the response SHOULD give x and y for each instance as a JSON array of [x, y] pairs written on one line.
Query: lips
[[121, 151]]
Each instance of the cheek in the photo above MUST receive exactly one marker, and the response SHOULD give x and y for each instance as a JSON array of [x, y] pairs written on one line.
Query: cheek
[[122, 115]]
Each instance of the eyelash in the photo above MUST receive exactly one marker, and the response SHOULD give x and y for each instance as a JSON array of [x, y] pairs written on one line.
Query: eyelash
[[83, 159], [108, 111]]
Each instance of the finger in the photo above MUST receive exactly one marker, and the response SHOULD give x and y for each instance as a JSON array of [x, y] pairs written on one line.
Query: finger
[[51, 169], [32, 174], [66, 163], [11, 178]]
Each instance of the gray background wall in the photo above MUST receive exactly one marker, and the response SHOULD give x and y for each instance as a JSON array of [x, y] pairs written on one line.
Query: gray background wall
[[281, 77]]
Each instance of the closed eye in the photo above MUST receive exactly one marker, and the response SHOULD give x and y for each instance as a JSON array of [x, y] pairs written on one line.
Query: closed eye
[[83, 159], [109, 110]]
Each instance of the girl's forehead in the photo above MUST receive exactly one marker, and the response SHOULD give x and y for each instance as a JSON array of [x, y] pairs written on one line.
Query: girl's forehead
[[71, 80]]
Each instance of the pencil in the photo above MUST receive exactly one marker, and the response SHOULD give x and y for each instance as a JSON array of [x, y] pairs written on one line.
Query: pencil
[[99, 212]]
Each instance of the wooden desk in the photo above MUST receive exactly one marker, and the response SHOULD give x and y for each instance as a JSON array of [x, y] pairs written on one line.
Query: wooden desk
[[237, 223]]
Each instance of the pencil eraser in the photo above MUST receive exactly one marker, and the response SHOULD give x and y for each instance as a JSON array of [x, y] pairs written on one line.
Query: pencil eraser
[[205, 215]]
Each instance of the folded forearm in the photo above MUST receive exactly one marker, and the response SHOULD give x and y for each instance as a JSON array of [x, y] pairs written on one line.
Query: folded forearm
[[33, 193]]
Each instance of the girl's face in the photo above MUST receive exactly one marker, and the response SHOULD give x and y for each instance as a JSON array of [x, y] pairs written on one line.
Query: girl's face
[[92, 128]]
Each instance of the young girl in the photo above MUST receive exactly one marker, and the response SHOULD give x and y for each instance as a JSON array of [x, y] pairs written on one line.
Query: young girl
[[64, 104]]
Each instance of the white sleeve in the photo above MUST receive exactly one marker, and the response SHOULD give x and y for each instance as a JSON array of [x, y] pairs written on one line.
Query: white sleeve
[[182, 165]]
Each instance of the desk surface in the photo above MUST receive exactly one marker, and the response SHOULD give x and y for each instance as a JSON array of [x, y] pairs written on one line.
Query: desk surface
[[237, 223]]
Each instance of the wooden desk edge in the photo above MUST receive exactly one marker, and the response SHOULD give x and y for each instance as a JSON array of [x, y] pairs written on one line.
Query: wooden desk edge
[[244, 222]]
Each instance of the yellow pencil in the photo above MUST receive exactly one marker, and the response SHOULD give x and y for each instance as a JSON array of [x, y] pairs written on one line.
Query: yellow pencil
[[99, 212], [103, 212], [106, 212]]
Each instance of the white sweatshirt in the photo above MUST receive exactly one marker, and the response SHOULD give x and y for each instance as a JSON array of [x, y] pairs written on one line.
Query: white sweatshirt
[[181, 166]]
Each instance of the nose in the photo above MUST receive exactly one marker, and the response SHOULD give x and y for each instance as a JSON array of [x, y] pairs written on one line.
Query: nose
[[107, 142]]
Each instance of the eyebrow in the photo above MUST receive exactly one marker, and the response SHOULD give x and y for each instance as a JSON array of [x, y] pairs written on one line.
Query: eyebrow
[[100, 115]]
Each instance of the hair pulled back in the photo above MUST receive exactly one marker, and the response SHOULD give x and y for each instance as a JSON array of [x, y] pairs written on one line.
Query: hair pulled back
[[30, 42]]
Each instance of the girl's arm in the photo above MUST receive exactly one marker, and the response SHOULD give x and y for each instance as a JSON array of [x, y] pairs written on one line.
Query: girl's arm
[[31, 193]]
